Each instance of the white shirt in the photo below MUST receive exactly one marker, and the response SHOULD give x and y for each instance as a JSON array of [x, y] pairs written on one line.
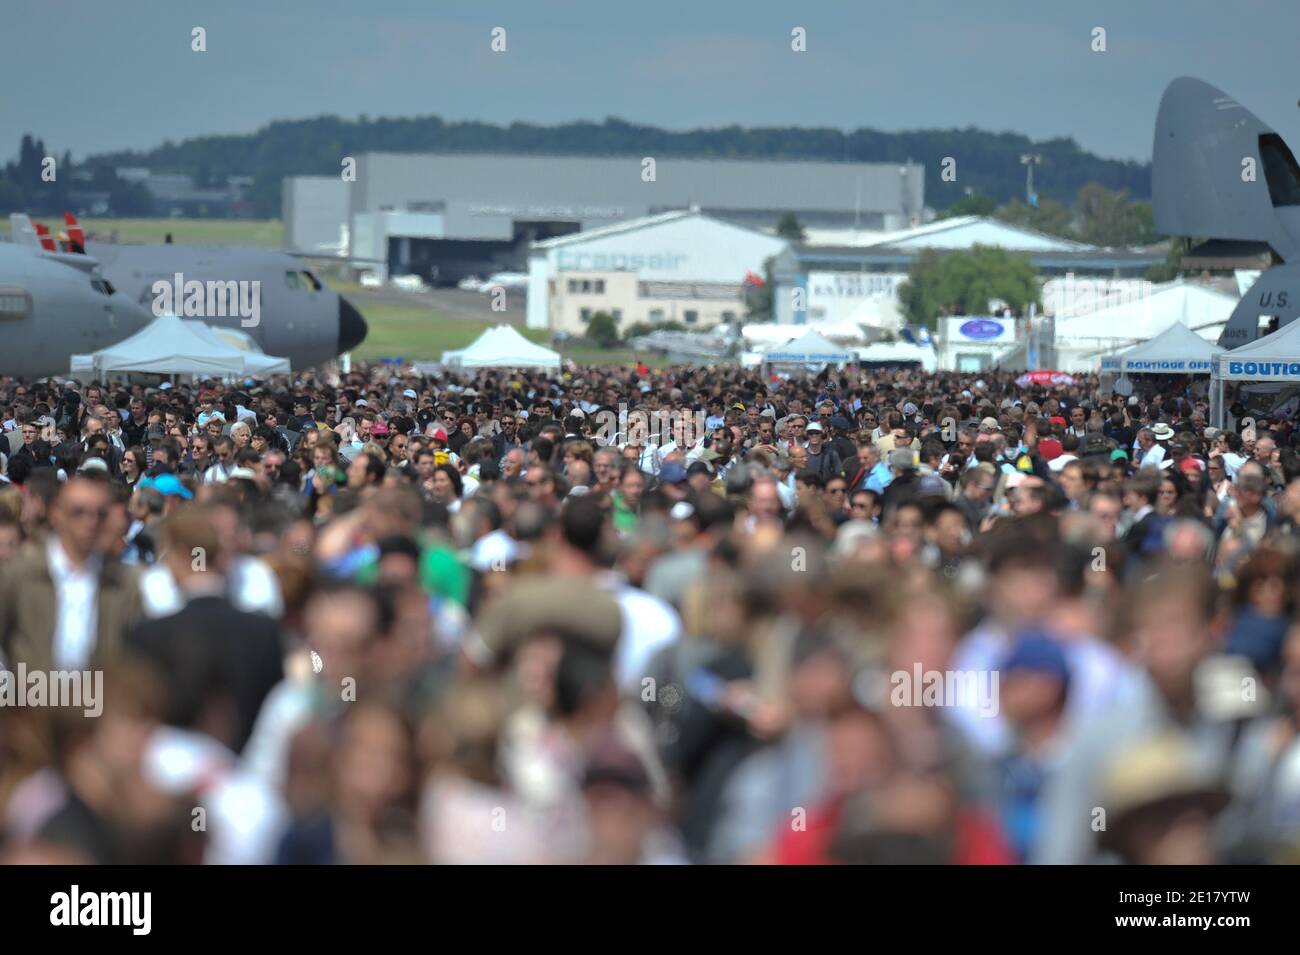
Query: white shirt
[[251, 585], [76, 595], [1154, 457]]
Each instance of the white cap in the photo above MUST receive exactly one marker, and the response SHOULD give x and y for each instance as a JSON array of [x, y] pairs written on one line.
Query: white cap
[[165, 386], [93, 464], [410, 393]]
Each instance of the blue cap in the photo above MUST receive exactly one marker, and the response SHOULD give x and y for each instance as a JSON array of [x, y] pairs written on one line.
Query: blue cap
[[168, 485], [1041, 654], [672, 473], [840, 422]]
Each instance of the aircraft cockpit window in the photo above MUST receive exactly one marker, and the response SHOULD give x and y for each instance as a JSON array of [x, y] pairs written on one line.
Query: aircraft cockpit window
[[15, 303], [1280, 170], [102, 286], [291, 280], [311, 281]]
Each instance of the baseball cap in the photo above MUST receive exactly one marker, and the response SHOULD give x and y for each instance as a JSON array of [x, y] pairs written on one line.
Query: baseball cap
[[439, 435], [93, 464], [672, 473], [379, 427], [1038, 653], [840, 422], [410, 393], [989, 424], [814, 426], [698, 467], [169, 485], [1119, 454], [1050, 449]]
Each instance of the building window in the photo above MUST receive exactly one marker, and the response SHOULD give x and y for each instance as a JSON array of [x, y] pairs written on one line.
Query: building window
[[600, 286], [586, 286], [573, 285], [618, 314], [291, 280], [585, 314], [656, 314], [728, 316], [691, 316]]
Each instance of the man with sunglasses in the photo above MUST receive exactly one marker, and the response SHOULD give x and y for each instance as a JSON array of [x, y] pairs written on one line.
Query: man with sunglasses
[[68, 605], [507, 437]]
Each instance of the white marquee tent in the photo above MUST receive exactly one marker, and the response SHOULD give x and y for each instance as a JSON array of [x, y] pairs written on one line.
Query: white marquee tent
[[809, 349], [502, 347], [171, 346], [901, 352], [1176, 351], [1274, 357], [1082, 337]]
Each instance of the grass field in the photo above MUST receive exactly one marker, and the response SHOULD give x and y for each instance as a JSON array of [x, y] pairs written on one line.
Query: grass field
[[415, 333], [266, 233]]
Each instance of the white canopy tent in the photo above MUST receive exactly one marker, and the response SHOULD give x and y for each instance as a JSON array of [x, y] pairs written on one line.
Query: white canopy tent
[[1176, 351], [502, 347], [900, 352], [809, 349], [1273, 358], [170, 346], [1084, 336]]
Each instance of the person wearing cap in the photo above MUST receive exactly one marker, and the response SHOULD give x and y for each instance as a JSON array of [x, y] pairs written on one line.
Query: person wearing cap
[[839, 440], [1151, 453], [673, 480], [822, 459], [1033, 691]]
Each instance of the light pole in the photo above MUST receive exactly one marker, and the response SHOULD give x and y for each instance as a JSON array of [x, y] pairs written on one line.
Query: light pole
[[1029, 161]]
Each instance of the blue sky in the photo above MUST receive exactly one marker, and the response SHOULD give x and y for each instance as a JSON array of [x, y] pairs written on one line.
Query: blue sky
[[90, 75]]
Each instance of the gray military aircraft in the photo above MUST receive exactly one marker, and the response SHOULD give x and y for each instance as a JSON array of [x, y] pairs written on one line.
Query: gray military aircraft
[[1219, 173], [270, 296], [56, 304]]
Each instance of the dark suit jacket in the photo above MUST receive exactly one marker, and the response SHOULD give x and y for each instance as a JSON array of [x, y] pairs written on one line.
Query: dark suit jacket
[[29, 610], [210, 653]]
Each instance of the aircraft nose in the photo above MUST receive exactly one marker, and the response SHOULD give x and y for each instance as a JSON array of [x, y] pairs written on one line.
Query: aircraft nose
[[352, 327]]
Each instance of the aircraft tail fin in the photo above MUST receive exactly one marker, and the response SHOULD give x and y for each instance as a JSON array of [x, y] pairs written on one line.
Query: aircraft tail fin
[[22, 232], [46, 241], [76, 235]]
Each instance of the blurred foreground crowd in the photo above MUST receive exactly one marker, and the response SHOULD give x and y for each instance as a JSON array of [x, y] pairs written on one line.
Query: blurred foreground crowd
[[635, 616]]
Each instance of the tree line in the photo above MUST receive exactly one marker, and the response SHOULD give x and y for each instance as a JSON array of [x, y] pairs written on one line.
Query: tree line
[[985, 163]]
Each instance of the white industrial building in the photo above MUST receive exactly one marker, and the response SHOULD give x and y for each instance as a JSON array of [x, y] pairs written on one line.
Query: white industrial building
[[854, 276], [681, 266]]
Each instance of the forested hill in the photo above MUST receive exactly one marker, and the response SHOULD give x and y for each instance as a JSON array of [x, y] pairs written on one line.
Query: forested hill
[[987, 163]]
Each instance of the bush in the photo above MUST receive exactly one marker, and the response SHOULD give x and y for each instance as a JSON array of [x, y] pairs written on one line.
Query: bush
[[603, 330]]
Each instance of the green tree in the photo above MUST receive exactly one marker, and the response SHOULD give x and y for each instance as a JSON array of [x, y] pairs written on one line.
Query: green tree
[[1108, 218], [789, 228], [1049, 216], [1172, 266], [963, 283], [603, 330], [974, 204]]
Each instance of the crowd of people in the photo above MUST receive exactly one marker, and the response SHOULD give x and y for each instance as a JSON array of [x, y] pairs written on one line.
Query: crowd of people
[[624, 615]]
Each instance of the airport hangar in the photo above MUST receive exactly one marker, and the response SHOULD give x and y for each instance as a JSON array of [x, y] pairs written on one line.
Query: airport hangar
[[848, 277], [447, 216]]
